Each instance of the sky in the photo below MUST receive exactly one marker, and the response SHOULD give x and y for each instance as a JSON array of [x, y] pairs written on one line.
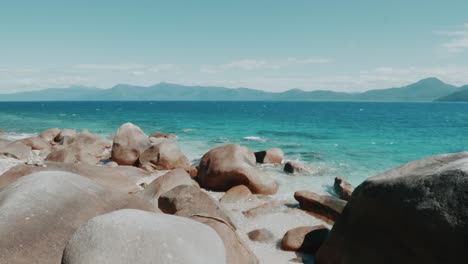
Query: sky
[[268, 45]]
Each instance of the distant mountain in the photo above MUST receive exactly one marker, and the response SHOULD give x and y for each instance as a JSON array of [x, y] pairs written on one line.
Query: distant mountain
[[423, 91], [461, 95]]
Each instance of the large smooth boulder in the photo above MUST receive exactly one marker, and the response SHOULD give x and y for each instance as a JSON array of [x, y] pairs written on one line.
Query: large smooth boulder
[[16, 150], [134, 236], [123, 178], [273, 155], [129, 142], [239, 193], [305, 239], [49, 134], [326, 207], [237, 252], [165, 183], [85, 148], [189, 200], [164, 156], [40, 212], [227, 166], [343, 188], [416, 213]]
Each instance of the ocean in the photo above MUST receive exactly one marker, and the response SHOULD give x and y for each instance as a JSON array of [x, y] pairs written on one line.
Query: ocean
[[354, 140]]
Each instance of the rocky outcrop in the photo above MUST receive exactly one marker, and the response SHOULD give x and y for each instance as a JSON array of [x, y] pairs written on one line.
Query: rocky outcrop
[[239, 193], [165, 183], [296, 167], [134, 236], [274, 155], [306, 239], [227, 166], [189, 200], [164, 156], [129, 142], [85, 148], [325, 207], [123, 178], [40, 212], [416, 213], [343, 189], [261, 235]]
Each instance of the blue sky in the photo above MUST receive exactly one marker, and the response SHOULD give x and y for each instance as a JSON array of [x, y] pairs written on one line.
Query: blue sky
[[269, 45]]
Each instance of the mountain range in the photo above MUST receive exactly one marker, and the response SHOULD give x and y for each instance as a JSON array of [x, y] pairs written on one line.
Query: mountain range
[[426, 90]]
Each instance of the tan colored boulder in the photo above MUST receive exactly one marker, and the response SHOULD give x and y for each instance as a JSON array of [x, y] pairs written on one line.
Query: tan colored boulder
[[129, 142], [65, 133], [296, 167], [261, 235], [326, 207], [84, 148], [239, 193], [343, 189], [306, 239], [273, 155], [189, 200], [134, 236], [122, 178], [163, 135], [164, 156], [36, 143], [165, 183], [16, 150], [40, 212], [237, 252], [49, 134], [227, 166]]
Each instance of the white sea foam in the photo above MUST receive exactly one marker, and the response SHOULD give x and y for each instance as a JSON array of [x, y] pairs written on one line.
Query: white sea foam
[[16, 136], [255, 138]]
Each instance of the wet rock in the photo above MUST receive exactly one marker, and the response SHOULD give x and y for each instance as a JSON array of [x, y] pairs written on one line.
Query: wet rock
[[306, 239], [296, 167], [188, 200], [274, 155], [40, 212], [155, 238], [416, 213], [343, 189], [326, 207], [239, 193], [227, 166], [164, 156], [261, 235], [129, 142]]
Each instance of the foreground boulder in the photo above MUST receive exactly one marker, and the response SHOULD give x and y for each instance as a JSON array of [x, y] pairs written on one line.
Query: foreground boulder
[[306, 239], [416, 213], [237, 252], [343, 189], [40, 212], [189, 200], [274, 155], [325, 207], [123, 178], [134, 236], [165, 183], [164, 156], [85, 148], [129, 142], [227, 166]]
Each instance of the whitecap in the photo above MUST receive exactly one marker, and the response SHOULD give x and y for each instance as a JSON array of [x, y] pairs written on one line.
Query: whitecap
[[187, 129], [255, 138]]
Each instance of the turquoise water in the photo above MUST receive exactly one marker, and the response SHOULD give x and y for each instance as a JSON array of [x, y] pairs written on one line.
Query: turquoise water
[[350, 139]]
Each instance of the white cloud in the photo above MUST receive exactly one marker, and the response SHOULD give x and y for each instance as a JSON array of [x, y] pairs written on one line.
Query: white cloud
[[458, 41], [255, 64]]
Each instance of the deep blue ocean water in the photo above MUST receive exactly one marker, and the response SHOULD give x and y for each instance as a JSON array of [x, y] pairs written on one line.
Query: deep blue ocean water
[[354, 140]]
